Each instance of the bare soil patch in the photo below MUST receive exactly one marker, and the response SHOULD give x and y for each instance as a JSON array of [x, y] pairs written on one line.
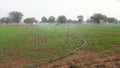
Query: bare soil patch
[[87, 59], [118, 45], [18, 63]]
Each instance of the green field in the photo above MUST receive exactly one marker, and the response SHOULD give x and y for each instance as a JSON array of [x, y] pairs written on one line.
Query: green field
[[34, 44]]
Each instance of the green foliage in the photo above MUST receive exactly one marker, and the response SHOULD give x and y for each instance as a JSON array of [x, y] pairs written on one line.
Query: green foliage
[[35, 43], [97, 18], [44, 20], [61, 19], [29, 20], [40, 43], [51, 19], [6, 20], [80, 19], [16, 16], [112, 20]]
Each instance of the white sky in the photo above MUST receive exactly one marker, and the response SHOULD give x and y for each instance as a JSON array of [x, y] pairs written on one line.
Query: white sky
[[70, 8]]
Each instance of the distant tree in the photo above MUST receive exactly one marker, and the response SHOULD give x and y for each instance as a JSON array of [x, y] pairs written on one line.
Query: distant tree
[[44, 20], [16, 16], [88, 21], [97, 18], [5, 20], [80, 19], [61, 19], [112, 20], [51, 19], [69, 21], [29, 20], [1, 20], [74, 21], [36, 21]]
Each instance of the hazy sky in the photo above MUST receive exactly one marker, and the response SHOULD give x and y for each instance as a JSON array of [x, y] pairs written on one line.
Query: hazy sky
[[70, 8]]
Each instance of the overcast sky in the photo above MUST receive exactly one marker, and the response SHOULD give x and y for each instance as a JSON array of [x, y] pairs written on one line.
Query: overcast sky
[[70, 8]]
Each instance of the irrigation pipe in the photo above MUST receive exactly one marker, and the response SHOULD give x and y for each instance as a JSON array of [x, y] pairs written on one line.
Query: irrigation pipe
[[60, 57]]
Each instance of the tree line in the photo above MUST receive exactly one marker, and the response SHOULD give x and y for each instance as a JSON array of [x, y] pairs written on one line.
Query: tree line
[[16, 17]]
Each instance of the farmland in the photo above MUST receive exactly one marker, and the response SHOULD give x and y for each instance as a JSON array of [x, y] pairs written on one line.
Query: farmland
[[23, 46]]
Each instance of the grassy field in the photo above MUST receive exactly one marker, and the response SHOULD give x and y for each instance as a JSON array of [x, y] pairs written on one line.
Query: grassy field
[[21, 46]]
